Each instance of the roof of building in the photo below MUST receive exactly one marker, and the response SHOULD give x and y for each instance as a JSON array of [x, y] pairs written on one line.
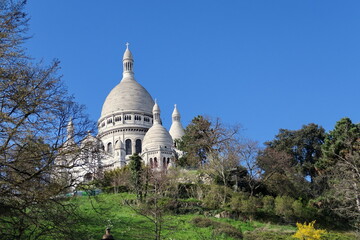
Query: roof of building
[[176, 129], [157, 136], [128, 95]]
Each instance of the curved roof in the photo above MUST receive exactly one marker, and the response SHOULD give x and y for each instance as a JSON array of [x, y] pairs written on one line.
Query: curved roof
[[157, 136], [128, 95], [176, 130]]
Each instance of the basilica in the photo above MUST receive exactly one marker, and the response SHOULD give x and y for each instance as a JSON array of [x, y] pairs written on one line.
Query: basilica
[[130, 123]]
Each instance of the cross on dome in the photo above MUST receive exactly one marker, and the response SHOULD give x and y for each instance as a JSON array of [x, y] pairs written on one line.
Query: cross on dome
[[127, 45]]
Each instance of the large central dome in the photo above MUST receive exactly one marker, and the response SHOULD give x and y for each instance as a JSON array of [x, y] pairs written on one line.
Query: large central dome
[[128, 95]]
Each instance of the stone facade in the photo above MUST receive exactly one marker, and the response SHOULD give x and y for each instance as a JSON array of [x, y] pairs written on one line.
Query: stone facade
[[130, 123]]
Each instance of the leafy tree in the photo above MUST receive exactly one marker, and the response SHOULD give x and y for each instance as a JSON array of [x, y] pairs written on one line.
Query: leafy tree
[[139, 176], [279, 175], [303, 145], [203, 139], [297, 172], [34, 110], [339, 142]]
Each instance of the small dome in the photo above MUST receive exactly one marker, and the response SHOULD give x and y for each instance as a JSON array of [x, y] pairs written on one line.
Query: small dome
[[128, 95], [157, 136]]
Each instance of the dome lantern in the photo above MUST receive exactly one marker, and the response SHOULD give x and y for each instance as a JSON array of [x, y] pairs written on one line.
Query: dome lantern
[[128, 62]]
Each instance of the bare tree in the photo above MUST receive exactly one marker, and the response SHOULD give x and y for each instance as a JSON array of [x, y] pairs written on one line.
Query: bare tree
[[34, 112], [203, 138], [248, 158], [154, 208]]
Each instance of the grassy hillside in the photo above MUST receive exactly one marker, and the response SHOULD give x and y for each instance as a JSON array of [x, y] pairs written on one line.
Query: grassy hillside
[[111, 210]]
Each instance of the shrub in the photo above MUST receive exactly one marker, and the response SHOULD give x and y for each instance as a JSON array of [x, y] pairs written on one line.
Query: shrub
[[283, 207], [308, 232], [249, 207], [228, 230], [203, 222], [236, 199], [268, 204], [303, 212], [217, 196]]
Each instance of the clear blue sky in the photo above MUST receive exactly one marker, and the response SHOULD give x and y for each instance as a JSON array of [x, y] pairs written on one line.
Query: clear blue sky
[[263, 64]]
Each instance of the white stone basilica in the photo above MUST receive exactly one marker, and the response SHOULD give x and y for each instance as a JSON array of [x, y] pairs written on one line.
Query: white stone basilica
[[130, 123]]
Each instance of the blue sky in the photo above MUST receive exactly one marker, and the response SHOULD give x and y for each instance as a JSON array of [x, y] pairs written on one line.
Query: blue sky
[[263, 64]]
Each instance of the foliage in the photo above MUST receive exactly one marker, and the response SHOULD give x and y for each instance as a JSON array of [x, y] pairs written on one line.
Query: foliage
[[279, 175], [340, 166], [216, 197], [339, 142], [139, 176], [283, 207], [116, 180], [268, 203], [308, 232], [304, 146], [291, 158]]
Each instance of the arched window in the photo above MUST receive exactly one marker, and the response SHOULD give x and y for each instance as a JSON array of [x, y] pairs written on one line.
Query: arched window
[[109, 147], [155, 163], [164, 163], [151, 163], [168, 161], [128, 148], [138, 146]]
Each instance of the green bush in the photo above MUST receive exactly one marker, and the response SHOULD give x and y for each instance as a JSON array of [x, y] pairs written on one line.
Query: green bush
[[249, 207], [268, 204], [217, 196], [283, 207], [303, 212], [236, 201]]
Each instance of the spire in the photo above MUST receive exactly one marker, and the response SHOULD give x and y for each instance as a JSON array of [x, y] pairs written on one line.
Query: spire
[[156, 113], [70, 134], [128, 62], [176, 115], [70, 130]]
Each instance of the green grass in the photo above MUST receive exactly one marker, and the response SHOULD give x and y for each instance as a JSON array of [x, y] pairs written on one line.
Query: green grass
[[105, 209]]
